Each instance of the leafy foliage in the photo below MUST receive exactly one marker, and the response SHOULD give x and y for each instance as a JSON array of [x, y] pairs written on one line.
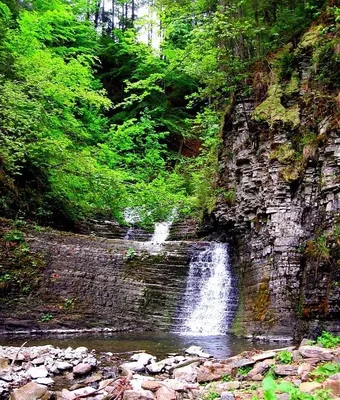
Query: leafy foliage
[[322, 372], [284, 356], [93, 121], [271, 388], [328, 340]]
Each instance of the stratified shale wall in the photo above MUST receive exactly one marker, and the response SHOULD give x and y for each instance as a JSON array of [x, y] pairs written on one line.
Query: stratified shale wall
[[279, 201], [92, 282]]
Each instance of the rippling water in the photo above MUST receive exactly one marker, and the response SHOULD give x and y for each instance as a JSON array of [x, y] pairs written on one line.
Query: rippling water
[[158, 344]]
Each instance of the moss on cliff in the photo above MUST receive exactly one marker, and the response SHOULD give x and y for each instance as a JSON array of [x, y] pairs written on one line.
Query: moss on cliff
[[271, 110], [20, 269]]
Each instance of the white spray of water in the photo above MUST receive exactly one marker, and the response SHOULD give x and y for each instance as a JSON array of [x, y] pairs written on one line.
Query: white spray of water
[[162, 229], [131, 216], [208, 292]]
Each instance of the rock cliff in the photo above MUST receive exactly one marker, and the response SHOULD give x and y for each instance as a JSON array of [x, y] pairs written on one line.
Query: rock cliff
[[279, 192], [89, 282]]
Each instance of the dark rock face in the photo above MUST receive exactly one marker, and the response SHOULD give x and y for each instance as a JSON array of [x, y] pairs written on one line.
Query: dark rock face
[[283, 290], [95, 282]]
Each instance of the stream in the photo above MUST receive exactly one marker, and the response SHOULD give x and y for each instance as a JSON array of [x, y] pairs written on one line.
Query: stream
[[158, 344]]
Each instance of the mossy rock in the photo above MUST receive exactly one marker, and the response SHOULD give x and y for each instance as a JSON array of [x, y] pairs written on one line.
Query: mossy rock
[[271, 110], [310, 38], [293, 86]]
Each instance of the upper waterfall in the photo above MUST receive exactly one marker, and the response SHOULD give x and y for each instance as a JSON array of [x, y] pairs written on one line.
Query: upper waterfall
[[161, 232], [208, 293]]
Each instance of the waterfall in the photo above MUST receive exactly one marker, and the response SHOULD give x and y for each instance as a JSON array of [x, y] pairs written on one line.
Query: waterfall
[[131, 216], [162, 229], [161, 232], [207, 307]]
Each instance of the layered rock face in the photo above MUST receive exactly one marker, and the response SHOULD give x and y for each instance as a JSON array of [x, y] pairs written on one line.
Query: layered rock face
[[91, 282], [281, 208]]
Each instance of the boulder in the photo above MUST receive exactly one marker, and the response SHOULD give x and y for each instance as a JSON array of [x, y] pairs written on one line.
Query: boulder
[[205, 374], [304, 370], [187, 374], [333, 383], [37, 372], [309, 387], [178, 386], [31, 391], [135, 366], [151, 385], [258, 369], [155, 368], [138, 395], [165, 393], [82, 369], [286, 370], [81, 350], [63, 365], [317, 352]]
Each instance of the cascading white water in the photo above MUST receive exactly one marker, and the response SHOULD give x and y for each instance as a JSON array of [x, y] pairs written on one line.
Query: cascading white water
[[161, 232], [162, 229], [131, 216], [208, 292]]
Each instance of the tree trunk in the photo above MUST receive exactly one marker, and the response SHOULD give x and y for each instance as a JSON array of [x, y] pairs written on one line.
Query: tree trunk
[[96, 15]]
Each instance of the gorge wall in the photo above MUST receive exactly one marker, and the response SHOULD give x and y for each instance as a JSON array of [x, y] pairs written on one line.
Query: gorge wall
[[92, 282], [279, 196]]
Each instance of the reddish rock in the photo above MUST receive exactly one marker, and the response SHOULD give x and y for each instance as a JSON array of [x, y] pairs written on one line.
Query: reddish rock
[[165, 393], [333, 383], [138, 395], [318, 352], [205, 374], [151, 385], [188, 373], [304, 370], [258, 369], [309, 387], [82, 369], [286, 370], [31, 391]]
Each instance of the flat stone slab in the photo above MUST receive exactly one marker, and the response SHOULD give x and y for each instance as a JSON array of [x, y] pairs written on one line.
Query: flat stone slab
[[44, 381], [37, 372], [264, 356], [31, 391]]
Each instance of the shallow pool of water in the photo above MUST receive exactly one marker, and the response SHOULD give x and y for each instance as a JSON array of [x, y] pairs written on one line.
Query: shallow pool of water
[[158, 344]]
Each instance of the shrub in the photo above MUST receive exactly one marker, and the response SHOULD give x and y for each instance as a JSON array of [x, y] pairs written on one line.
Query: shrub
[[328, 340], [322, 372], [285, 356]]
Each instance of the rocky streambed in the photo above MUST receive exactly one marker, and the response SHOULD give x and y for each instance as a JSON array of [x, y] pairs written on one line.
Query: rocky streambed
[[47, 372]]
